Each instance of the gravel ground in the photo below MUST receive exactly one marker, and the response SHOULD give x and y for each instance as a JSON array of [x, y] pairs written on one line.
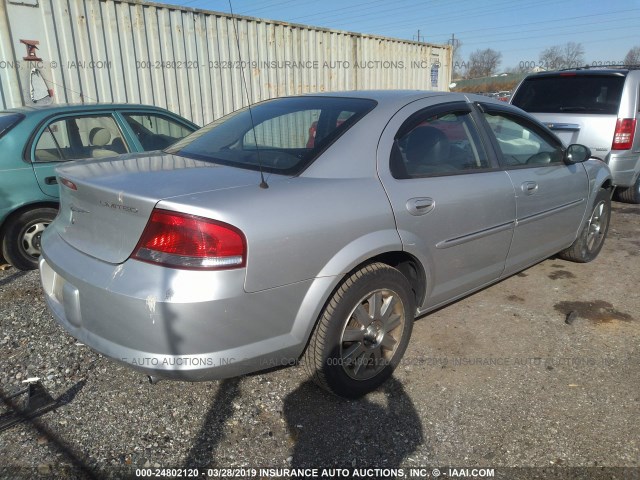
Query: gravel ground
[[497, 380]]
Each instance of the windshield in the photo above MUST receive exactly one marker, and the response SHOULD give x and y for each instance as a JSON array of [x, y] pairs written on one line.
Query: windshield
[[289, 133], [8, 120], [597, 94]]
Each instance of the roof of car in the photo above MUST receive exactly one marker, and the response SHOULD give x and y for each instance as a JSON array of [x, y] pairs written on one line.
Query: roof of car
[[381, 95], [78, 107], [398, 98], [582, 72], [387, 98]]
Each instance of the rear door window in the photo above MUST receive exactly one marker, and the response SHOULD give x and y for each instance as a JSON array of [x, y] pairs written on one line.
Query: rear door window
[[446, 143], [570, 93], [73, 138]]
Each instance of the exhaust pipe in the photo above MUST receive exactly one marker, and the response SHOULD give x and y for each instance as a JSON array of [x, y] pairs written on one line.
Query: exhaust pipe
[[153, 379]]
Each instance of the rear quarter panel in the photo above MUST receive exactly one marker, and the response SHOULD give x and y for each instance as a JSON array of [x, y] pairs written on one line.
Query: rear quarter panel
[[301, 228]]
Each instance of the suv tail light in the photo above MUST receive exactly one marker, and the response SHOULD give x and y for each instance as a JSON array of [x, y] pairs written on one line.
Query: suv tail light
[[623, 136], [186, 241]]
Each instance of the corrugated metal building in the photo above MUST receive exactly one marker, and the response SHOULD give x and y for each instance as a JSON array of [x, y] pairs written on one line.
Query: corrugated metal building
[[187, 60]]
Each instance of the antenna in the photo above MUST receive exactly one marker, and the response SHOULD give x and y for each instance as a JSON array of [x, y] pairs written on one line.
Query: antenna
[[263, 183]]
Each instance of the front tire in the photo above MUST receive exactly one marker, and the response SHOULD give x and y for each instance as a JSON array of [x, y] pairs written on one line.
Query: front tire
[[591, 239], [363, 332], [21, 240]]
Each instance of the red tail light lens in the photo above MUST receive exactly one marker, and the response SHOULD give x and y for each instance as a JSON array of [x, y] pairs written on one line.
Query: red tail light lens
[[623, 136], [190, 242]]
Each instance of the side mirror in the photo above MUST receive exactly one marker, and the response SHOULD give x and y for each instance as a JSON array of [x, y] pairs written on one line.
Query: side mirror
[[576, 153]]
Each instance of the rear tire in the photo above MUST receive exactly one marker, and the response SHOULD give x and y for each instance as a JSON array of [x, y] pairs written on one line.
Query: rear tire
[[629, 194], [591, 239], [363, 332], [21, 240]]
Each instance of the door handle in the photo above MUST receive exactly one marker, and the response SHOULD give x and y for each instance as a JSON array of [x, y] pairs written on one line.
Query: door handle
[[51, 180], [529, 188], [420, 205]]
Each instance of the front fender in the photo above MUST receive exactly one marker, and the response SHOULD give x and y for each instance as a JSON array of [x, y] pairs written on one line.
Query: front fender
[[599, 175]]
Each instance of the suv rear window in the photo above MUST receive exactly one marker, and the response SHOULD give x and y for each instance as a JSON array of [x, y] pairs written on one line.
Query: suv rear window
[[599, 94], [8, 121], [282, 136]]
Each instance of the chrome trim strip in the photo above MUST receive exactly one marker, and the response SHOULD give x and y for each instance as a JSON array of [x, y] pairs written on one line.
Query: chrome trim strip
[[453, 242], [563, 126], [547, 213]]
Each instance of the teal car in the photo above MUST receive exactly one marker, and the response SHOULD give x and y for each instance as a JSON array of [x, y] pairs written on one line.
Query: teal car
[[35, 140]]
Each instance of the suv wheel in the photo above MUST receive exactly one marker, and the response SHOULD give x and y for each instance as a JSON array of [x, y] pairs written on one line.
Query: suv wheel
[[630, 194], [21, 241]]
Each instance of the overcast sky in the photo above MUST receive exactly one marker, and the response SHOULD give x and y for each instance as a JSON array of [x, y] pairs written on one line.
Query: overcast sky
[[519, 29]]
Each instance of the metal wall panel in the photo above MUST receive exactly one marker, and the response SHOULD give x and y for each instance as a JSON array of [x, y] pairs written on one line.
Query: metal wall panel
[[10, 95], [188, 60]]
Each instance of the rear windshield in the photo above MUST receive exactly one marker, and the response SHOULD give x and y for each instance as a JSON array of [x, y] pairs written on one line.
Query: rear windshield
[[282, 136], [8, 121], [597, 94]]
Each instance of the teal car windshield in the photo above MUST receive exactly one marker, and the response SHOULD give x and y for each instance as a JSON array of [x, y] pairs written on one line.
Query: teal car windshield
[[8, 120], [280, 136]]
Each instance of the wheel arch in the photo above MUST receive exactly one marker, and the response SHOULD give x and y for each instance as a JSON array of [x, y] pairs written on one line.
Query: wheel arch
[[607, 185], [323, 288], [24, 208]]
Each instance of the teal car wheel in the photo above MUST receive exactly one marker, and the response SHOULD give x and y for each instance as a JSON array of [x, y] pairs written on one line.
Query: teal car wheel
[[21, 241]]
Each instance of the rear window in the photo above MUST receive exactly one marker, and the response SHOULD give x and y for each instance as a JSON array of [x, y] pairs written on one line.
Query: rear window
[[597, 94], [8, 121], [282, 136]]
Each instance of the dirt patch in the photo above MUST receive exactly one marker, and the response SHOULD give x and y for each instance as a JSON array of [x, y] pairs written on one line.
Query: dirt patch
[[629, 210], [515, 298], [597, 311], [558, 274], [634, 251]]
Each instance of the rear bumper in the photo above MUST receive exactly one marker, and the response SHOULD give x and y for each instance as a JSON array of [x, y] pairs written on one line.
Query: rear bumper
[[625, 167], [179, 324]]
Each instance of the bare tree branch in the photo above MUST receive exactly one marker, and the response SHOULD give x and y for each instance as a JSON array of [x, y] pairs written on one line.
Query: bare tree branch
[[633, 56], [570, 55], [484, 63]]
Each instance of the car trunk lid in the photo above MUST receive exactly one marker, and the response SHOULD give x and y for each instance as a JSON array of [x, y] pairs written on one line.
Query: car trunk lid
[[106, 204]]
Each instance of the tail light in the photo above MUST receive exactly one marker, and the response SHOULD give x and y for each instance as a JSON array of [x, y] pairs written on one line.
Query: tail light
[[623, 136], [186, 241]]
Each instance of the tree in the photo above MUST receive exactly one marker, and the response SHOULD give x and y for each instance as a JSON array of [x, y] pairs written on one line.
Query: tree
[[574, 55], [633, 57], [570, 55], [483, 63]]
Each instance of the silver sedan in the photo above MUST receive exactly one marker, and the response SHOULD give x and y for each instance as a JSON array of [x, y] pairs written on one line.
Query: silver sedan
[[313, 229]]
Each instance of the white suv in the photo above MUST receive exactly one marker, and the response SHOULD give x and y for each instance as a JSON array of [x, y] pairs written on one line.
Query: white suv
[[597, 108]]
